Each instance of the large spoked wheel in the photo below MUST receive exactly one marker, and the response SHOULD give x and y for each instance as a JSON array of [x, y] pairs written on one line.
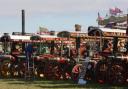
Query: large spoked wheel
[[40, 72], [101, 71], [116, 74], [18, 70], [45, 67], [57, 72], [40, 69], [5, 69], [49, 74], [14, 70]]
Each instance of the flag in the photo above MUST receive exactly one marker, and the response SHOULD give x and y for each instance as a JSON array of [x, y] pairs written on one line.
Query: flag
[[117, 10], [112, 11]]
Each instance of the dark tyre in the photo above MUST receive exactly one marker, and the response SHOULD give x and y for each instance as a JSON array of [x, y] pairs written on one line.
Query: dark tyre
[[116, 73], [5, 69], [101, 71]]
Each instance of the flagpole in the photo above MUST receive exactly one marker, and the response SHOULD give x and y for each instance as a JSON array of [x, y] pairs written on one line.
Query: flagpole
[[98, 19]]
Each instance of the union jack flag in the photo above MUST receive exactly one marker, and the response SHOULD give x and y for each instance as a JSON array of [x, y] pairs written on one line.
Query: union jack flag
[[112, 11], [115, 11]]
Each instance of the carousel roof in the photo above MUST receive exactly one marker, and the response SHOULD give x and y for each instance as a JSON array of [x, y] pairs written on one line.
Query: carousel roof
[[112, 30], [48, 36], [26, 37], [20, 37]]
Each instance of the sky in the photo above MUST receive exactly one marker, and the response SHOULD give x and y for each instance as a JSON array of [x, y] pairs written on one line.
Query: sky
[[58, 15]]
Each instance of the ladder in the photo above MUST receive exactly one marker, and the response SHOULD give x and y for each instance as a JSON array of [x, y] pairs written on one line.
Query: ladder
[[29, 68]]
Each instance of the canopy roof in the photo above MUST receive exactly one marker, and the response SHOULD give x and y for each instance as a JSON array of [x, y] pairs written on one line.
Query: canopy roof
[[112, 30], [105, 31]]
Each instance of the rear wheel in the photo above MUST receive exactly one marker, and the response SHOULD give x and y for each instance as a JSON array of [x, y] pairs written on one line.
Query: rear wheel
[[101, 71], [116, 74]]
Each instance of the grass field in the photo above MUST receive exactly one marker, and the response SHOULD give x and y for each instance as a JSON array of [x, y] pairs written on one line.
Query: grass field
[[52, 84]]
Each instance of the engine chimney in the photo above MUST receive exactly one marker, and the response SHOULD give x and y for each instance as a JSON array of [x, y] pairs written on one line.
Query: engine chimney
[[23, 22]]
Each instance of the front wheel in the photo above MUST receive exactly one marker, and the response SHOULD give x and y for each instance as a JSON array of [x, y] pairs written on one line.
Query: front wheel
[[5, 69]]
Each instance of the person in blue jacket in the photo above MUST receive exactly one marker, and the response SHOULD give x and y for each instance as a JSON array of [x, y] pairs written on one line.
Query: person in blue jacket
[[29, 51]]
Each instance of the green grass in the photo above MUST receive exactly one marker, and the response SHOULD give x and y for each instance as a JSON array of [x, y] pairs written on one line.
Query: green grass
[[52, 84]]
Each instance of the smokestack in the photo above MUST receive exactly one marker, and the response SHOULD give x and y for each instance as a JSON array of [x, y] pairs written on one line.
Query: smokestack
[[77, 27], [23, 22]]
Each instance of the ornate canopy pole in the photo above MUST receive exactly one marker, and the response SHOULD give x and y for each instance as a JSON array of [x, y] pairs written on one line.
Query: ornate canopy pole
[[78, 40], [52, 45], [63, 34]]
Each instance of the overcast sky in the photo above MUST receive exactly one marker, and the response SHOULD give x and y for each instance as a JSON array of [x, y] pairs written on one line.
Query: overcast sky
[[54, 14]]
